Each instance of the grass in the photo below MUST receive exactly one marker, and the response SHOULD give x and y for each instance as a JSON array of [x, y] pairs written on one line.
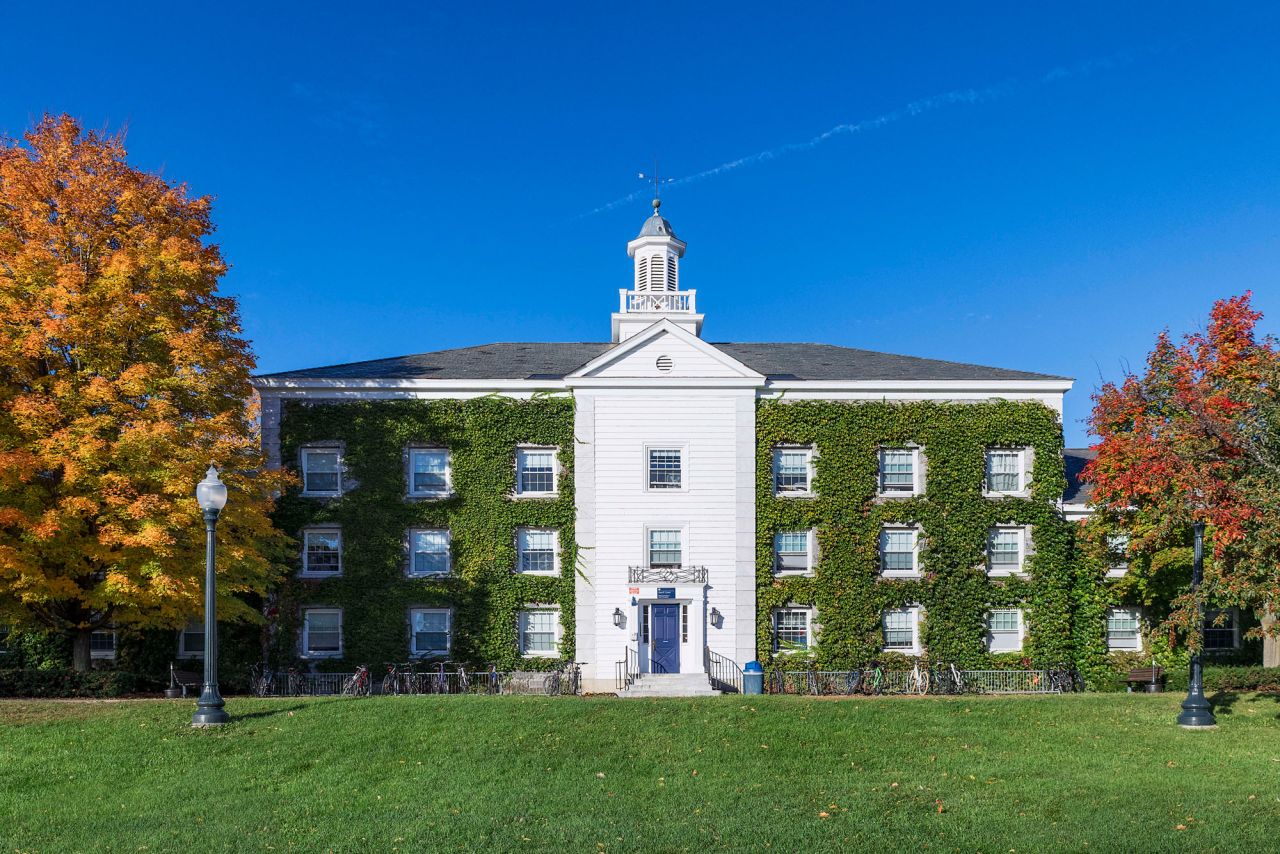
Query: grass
[[1093, 772]]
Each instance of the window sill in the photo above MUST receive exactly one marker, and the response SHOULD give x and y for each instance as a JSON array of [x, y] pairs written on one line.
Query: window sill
[[429, 576], [555, 573], [320, 494], [914, 651], [1012, 573], [438, 653], [320, 656], [898, 496], [1022, 493], [807, 494], [429, 496], [319, 576], [190, 656], [793, 573], [526, 496], [897, 574], [539, 655]]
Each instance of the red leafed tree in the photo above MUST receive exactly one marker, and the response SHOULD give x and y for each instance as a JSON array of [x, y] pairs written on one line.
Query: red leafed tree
[[1197, 437]]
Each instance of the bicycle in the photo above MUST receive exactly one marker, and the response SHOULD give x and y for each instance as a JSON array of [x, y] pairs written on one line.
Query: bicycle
[[261, 680], [391, 682], [358, 684], [853, 682], [918, 681], [874, 684]]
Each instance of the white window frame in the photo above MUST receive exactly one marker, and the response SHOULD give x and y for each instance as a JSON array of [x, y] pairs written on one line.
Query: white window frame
[[522, 629], [1138, 640], [521, 453], [104, 654], [914, 612], [914, 530], [1024, 480], [305, 637], [522, 537], [810, 629], [649, 451], [648, 543], [447, 490], [411, 570], [306, 451], [194, 627], [307, 571], [917, 479], [1210, 615], [1117, 546], [414, 652], [1023, 534], [993, 635], [807, 451], [810, 553]]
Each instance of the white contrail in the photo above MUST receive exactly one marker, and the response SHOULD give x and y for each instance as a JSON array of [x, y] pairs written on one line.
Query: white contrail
[[915, 108]]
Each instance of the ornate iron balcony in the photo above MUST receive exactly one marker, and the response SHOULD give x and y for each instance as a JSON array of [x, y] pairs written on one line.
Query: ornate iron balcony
[[667, 574]]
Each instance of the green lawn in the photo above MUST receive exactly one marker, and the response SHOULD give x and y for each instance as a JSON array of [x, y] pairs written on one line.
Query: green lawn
[[1099, 772]]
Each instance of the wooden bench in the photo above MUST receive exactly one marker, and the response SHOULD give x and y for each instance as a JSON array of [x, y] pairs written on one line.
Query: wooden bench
[[1150, 679], [184, 679]]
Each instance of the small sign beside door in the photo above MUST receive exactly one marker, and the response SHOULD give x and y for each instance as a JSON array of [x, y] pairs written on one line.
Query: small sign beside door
[[666, 593]]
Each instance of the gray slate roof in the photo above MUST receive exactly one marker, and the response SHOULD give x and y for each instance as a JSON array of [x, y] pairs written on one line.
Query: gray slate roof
[[1074, 460], [554, 360]]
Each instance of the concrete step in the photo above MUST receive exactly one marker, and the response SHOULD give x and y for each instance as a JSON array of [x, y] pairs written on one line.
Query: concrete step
[[671, 685]]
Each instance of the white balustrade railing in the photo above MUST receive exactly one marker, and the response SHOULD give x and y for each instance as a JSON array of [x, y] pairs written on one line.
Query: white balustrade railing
[[677, 302]]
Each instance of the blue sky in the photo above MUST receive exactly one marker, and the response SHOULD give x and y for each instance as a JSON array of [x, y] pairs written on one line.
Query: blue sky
[[399, 177]]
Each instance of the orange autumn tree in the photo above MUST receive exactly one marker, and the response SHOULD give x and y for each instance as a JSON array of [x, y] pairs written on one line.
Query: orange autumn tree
[[122, 377]]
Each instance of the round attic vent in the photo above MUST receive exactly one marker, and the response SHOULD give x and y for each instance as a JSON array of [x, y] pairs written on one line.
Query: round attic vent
[[665, 364]]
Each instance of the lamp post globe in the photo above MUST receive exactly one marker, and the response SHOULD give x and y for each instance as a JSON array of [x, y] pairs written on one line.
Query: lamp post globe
[[211, 495]]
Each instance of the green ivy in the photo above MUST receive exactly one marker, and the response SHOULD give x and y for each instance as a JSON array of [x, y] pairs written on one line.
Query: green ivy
[[953, 514], [484, 591]]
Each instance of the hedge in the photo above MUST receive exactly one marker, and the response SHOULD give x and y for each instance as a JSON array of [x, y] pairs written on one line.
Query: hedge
[[69, 683]]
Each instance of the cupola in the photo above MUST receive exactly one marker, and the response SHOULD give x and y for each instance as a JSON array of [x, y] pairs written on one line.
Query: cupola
[[655, 291]]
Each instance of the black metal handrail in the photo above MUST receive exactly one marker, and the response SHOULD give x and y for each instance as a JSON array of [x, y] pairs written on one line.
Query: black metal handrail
[[627, 671], [724, 673], [667, 574]]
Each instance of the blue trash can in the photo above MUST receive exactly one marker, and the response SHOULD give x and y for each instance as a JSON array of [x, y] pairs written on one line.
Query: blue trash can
[[753, 678]]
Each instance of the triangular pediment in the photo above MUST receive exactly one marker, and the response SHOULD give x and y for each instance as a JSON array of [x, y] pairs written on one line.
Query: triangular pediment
[[665, 351]]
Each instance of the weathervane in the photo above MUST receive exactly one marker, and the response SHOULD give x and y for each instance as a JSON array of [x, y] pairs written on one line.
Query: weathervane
[[657, 180]]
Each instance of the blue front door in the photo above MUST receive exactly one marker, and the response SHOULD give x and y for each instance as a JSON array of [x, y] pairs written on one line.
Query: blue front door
[[664, 654]]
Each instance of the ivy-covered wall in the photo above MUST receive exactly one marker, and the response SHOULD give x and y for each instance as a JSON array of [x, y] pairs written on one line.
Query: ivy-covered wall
[[953, 514], [374, 590]]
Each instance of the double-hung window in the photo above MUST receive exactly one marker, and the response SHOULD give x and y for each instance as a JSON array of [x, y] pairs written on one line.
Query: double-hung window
[[535, 471], [900, 630], [321, 471], [1117, 555], [429, 552], [536, 551], [539, 632], [898, 552], [1221, 629], [321, 633], [793, 552], [792, 631], [191, 640], [1124, 629], [1004, 630], [430, 632], [1006, 550], [666, 468], [102, 644], [1006, 471], [665, 548], [322, 552], [792, 471], [899, 471], [429, 475]]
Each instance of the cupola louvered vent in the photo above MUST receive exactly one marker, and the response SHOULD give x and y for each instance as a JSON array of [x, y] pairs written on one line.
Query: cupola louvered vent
[[657, 273], [642, 275], [672, 285]]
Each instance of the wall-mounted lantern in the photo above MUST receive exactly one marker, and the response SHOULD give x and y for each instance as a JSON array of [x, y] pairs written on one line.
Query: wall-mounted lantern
[[716, 617], [619, 618]]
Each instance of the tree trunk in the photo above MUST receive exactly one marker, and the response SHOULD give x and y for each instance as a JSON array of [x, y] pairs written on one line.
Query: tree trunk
[[81, 658], [1270, 643]]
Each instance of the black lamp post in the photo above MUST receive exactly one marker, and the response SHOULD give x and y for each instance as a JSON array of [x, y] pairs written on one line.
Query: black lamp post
[[1196, 712], [211, 494]]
